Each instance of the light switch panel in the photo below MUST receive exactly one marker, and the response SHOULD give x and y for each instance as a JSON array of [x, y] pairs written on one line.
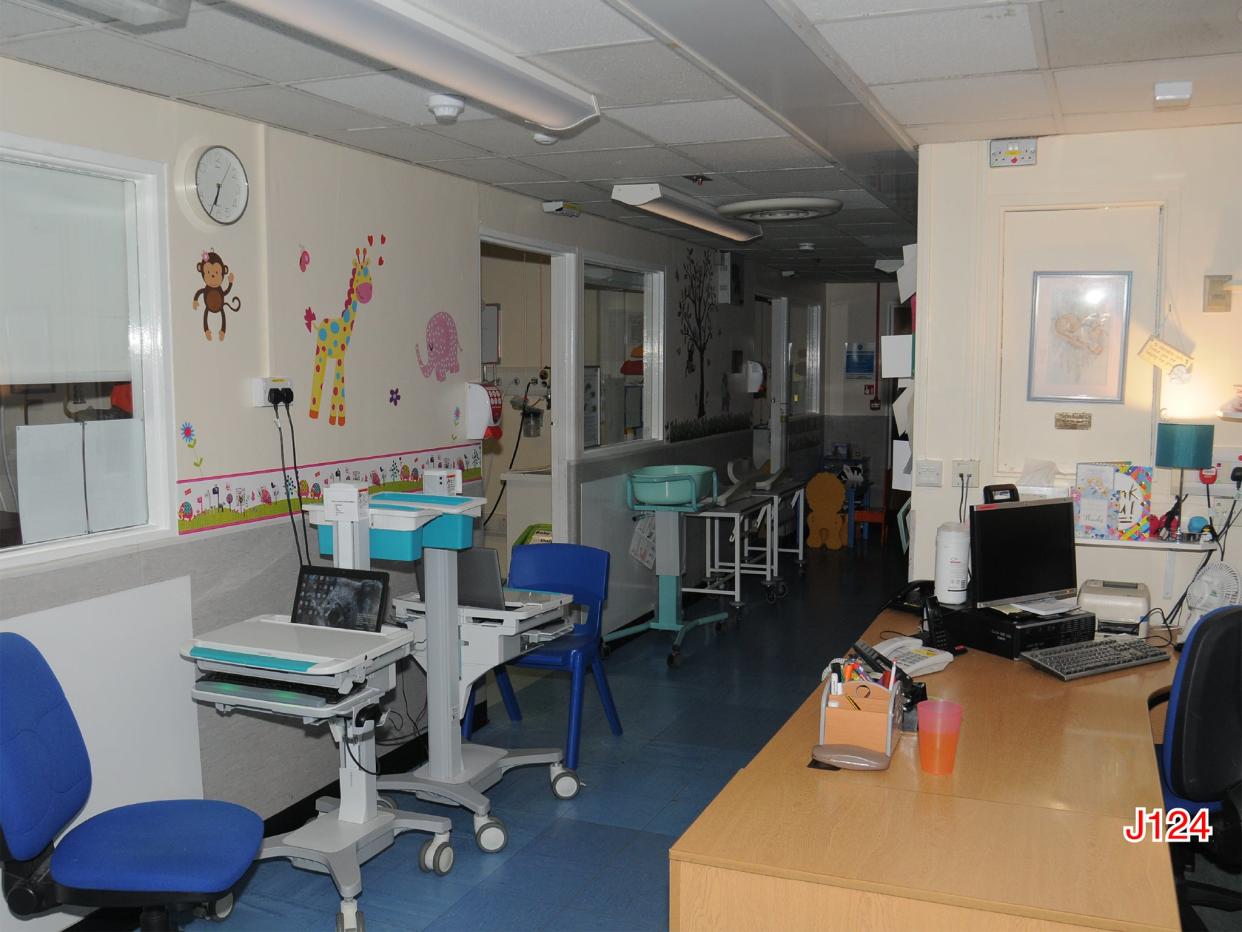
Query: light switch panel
[[1005, 153]]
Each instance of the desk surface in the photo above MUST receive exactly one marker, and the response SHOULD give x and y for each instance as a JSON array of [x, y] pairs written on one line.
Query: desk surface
[[1029, 823]]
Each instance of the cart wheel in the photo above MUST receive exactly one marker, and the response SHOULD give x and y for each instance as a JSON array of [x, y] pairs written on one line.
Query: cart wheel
[[674, 659], [565, 783], [782, 590], [491, 835], [437, 856], [771, 595], [719, 625], [221, 909], [358, 924]]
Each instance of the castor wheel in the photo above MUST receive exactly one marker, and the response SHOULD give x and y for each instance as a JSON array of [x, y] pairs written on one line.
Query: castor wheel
[[565, 782], [353, 922], [674, 659], [605, 649], [782, 590], [221, 909], [490, 834], [719, 625], [436, 856], [770, 595]]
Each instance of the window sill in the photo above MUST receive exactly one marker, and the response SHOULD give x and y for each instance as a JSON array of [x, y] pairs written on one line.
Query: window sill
[[20, 561], [614, 450]]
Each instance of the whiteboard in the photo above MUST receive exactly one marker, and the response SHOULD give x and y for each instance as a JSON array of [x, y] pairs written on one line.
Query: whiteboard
[[66, 250]]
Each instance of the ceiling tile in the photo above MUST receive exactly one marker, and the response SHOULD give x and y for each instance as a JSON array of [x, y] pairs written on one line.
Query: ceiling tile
[[505, 137], [237, 38], [862, 215], [534, 26], [492, 170], [19, 20], [392, 94], [614, 163], [944, 44], [995, 97], [715, 185], [280, 106], [820, 10], [413, 145], [996, 129], [105, 56], [884, 239], [857, 199], [633, 75], [794, 181], [1097, 32], [558, 191], [1120, 88], [1151, 119], [753, 155], [698, 121]]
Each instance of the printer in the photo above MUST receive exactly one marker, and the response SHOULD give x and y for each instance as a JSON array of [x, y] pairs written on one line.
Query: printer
[[1119, 607]]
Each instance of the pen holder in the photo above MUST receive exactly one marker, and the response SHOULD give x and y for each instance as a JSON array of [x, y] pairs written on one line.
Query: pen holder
[[864, 715]]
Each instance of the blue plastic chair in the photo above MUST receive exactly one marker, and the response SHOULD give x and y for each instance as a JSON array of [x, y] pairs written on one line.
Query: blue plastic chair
[[583, 573], [153, 855]]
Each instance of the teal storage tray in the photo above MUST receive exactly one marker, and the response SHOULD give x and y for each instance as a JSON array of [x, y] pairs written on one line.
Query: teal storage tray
[[674, 488], [402, 546]]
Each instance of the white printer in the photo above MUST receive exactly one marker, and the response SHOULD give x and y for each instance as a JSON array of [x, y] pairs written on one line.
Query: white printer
[[1119, 607]]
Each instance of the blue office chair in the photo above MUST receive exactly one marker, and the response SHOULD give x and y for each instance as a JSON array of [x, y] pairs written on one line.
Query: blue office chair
[[153, 856], [583, 573], [1201, 754]]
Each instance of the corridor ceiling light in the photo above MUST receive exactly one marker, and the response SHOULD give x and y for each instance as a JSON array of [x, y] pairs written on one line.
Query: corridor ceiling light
[[415, 41], [139, 12], [782, 208], [664, 202]]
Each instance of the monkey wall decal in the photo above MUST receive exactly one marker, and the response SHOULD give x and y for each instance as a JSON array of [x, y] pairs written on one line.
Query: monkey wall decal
[[213, 270]]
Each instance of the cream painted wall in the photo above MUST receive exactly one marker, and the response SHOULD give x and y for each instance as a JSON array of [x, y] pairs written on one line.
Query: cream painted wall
[[849, 317], [1192, 174]]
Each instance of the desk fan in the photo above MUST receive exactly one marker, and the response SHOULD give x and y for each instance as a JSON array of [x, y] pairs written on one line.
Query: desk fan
[[1218, 585]]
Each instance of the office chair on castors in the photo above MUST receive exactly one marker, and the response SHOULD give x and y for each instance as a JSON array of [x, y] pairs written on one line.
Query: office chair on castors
[[152, 856], [1201, 754]]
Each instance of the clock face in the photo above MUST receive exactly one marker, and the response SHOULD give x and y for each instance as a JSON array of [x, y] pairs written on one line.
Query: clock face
[[221, 185]]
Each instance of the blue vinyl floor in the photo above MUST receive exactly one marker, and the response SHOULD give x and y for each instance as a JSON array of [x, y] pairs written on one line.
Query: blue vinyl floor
[[600, 861]]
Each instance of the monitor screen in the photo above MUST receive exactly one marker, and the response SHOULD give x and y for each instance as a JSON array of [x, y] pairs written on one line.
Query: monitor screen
[[328, 597], [1022, 550]]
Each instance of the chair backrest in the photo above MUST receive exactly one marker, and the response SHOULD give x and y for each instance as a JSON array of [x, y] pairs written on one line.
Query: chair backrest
[[1203, 726], [45, 773], [579, 570]]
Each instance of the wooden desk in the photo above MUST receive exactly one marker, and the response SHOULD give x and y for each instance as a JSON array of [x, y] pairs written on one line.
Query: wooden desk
[[1024, 834]]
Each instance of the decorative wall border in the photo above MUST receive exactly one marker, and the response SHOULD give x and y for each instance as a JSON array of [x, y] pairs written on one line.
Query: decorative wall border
[[209, 503]]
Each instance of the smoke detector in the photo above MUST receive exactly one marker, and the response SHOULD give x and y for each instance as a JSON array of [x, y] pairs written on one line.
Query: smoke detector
[[546, 139], [445, 108], [769, 209]]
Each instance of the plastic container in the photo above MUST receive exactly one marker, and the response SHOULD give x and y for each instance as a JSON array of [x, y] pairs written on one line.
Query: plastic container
[[940, 726], [670, 486], [952, 563]]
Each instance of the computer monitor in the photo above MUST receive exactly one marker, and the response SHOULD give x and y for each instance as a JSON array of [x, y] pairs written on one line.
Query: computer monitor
[[478, 579], [328, 597], [1020, 551]]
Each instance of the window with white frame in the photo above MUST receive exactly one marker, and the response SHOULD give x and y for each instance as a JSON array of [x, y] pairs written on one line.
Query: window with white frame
[[80, 328], [619, 382]]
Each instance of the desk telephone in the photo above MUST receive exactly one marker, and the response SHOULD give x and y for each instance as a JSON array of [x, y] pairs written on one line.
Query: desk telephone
[[910, 655]]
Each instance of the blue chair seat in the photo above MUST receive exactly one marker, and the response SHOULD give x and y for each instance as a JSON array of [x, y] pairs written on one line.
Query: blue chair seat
[[556, 655], [172, 846]]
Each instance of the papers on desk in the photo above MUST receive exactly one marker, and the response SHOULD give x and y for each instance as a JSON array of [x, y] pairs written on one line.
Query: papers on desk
[[1046, 607]]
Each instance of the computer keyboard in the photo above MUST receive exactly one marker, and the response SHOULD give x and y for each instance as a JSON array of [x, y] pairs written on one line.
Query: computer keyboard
[[1087, 658], [256, 687]]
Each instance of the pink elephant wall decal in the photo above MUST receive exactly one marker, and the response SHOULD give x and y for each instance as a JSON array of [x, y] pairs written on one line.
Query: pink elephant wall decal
[[442, 347]]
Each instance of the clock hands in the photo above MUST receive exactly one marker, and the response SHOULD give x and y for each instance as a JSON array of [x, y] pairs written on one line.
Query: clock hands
[[219, 186]]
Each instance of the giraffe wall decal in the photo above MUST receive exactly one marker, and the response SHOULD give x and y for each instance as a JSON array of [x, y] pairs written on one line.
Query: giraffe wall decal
[[333, 335]]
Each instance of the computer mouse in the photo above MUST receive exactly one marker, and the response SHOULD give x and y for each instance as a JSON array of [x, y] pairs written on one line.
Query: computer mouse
[[850, 757]]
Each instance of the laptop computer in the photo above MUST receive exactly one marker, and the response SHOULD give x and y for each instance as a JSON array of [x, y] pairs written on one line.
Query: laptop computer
[[479, 587], [352, 600]]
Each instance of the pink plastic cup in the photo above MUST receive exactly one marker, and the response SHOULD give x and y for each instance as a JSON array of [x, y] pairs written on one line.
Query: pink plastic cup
[[940, 725]]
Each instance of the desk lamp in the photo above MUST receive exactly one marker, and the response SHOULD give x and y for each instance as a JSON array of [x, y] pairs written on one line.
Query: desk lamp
[[1182, 447]]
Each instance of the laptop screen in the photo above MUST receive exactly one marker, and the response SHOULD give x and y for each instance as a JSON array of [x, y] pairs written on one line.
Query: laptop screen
[[478, 579], [327, 597]]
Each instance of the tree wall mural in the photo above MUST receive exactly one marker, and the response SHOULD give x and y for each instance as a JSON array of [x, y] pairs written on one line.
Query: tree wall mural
[[696, 312]]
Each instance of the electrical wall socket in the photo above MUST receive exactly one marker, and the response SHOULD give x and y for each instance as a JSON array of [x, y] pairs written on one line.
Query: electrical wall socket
[[929, 473], [259, 388], [969, 468]]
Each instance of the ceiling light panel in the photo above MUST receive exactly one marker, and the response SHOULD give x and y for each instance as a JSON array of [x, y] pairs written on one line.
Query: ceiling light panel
[[633, 75], [530, 27], [698, 121], [944, 44], [661, 202], [443, 54]]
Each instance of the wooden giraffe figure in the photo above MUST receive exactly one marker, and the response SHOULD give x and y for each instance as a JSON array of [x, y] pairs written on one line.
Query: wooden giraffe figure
[[333, 336]]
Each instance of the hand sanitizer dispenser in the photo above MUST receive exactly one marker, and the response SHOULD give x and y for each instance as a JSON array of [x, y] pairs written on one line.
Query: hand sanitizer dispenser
[[483, 406]]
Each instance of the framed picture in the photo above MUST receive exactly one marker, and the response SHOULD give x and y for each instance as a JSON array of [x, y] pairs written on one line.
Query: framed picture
[[1079, 325]]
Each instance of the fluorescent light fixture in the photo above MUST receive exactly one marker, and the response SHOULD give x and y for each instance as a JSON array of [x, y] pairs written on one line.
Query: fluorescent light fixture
[[663, 202], [1171, 95], [139, 12], [414, 40]]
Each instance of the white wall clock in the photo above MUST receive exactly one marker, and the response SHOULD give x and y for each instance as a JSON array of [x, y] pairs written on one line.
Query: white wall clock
[[221, 185]]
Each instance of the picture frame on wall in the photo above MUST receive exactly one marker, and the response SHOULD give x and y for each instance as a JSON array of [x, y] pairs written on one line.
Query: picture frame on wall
[[1080, 324]]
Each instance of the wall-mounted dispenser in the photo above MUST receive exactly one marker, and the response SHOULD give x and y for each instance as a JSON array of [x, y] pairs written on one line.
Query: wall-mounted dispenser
[[483, 404]]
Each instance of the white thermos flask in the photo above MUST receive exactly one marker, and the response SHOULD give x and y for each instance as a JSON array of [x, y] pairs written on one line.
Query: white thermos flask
[[952, 562]]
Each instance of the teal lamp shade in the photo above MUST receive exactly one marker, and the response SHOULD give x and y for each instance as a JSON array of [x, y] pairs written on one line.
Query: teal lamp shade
[[1184, 446]]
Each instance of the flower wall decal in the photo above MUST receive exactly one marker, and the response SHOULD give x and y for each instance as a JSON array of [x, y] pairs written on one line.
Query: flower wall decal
[[187, 435], [394, 396]]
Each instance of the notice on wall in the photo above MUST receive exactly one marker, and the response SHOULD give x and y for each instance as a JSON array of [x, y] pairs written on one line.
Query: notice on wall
[[860, 361]]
